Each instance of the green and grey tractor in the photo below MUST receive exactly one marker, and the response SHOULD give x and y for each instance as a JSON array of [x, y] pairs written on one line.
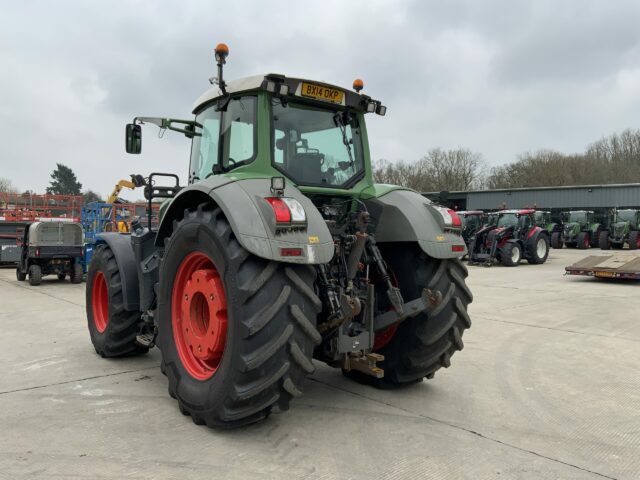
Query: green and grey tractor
[[581, 230], [624, 228], [279, 250], [545, 220]]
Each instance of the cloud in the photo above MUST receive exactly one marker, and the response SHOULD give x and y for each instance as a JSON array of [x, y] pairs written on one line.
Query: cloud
[[497, 77]]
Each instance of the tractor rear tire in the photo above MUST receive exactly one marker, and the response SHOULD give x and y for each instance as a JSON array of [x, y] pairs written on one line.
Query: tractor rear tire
[[35, 275], [511, 254], [538, 249], [422, 345], [113, 329], [556, 240], [20, 275], [75, 274], [252, 321], [634, 240], [603, 241], [583, 240]]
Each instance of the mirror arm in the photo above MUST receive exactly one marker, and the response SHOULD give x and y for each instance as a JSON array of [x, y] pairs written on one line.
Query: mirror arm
[[167, 123]]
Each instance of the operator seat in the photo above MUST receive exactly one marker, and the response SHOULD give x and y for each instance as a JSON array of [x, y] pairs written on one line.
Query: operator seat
[[306, 167]]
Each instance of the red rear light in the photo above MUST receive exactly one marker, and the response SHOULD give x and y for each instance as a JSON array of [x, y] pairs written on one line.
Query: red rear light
[[455, 219], [37, 252], [291, 252], [457, 248], [282, 212]]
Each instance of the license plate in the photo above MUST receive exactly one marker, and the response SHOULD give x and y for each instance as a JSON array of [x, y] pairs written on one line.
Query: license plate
[[604, 274], [321, 93]]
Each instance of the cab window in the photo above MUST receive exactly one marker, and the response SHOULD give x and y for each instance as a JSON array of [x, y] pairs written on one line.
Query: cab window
[[223, 140]]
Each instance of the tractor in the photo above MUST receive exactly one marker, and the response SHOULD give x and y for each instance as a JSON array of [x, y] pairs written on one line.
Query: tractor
[[581, 230], [472, 221], [554, 229], [511, 238], [624, 228], [279, 250]]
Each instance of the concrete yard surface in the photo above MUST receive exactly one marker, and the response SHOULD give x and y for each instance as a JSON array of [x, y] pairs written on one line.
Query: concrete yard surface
[[547, 387]]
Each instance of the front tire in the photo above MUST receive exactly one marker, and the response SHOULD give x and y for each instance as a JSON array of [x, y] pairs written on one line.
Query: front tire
[[538, 249], [511, 254], [634, 240], [583, 240], [113, 329], [556, 240], [260, 314], [604, 242], [35, 275]]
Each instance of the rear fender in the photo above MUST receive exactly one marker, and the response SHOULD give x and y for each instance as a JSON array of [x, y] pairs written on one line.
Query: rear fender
[[252, 219], [407, 216], [120, 245]]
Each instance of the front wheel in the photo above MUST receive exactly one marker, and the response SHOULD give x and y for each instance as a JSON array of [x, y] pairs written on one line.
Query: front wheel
[[236, 332], [511, 254], [634, 240], [538, 249], [583, 240], [556, 240], [604, 242], [113, 329]]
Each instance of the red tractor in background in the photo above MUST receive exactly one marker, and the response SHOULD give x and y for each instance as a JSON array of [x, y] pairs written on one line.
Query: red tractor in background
[[511, 238]]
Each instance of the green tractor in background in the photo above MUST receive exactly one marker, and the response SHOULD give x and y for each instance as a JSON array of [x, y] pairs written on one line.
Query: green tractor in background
[[624, 227], [581, 230], [280, 249], [554, 229]]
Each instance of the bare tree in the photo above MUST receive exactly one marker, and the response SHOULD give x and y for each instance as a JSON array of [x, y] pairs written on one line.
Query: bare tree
[[7, 186]]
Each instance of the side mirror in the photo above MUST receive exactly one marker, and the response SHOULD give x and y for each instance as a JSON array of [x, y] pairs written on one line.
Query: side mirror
[[133, 138]]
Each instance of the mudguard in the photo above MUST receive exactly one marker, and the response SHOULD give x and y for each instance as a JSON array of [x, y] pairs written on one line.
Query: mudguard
[[252, 219], [407, 216], [120, 245]]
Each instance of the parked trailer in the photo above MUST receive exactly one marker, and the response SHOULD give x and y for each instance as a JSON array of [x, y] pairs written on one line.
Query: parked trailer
[[622, 266]]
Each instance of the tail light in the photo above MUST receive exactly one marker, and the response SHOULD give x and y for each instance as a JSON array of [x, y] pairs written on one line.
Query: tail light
[[450, 217], [288, 211], [37, 252]]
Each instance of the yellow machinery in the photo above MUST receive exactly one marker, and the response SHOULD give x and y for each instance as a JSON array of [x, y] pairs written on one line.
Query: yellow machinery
[[136, 181]]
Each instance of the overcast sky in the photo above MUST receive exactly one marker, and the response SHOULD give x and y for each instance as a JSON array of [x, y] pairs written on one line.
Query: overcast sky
[[499, 78]]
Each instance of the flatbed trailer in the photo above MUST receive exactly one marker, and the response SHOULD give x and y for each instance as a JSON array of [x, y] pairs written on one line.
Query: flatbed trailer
[[625, 266]]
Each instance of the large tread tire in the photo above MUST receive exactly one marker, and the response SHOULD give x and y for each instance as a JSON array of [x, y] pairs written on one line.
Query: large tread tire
[[423, 344], [507, 255], [556, 240], [634, 240], [118, 339], [603, 241], [75, 273], [594, 237], [35, 275], [533, 257], [583, 241], [270, 331]]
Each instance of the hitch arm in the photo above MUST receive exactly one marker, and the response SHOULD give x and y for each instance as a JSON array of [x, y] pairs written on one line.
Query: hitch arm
[[428, 302]]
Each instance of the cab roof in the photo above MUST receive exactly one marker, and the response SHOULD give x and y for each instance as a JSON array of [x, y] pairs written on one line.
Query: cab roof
[[522, 211], [349, 98]]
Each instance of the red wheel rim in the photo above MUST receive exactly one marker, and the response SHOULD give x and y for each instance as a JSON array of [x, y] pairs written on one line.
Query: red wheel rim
[[199, 315], [586, 241], [100, 302]]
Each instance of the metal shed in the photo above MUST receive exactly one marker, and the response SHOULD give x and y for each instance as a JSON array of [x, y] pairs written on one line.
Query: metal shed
[[594, 197]]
